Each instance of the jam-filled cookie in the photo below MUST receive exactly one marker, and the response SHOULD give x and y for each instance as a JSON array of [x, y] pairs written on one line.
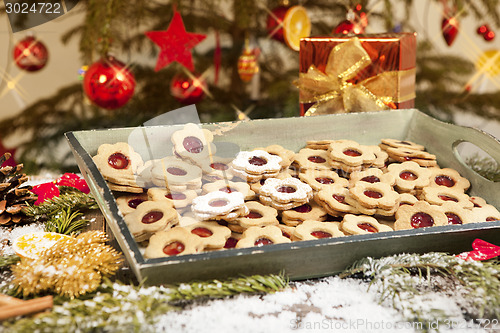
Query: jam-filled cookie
[[422, 158], [307, 211], [486, 213], [375, 195], [175, 174], [362, 224], [217, 168], [351, 153], [409, 176], [371, 175], [311, 229], [257, 236], [319, 179], [449, 178], [228, 187], [438, 195], [456, 214], [333, 200], [129, 202], [173, 242], [419, 215], [193, 143], [405, 144], [255, 165], [287, 156], [259, 215], [317, 159], [285, 193], [219, 206], [150, 217], [212, 234], [179, 200]]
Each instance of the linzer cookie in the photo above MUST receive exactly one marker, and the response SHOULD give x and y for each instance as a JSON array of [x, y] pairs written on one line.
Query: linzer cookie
[[213, 235], [350, 156], [423, 158], [376, 195], [176, 174], [307, 159], [438, 195], [447, 177], [404, 144], [257, 236], [217, 168], [456, 214], [149, 218], [308, 211], [228, 187], [419, 215], [255, 165], [486, 213], [318, 144], [286, 155], [259, 215], [179, 200], [257, 185], [129, 202], [311, 229], [219, 206], [409, 176], [173, 242], [193, 143], [284, 194], [333, 200], [362, 224], [319, 179], [371, 175]]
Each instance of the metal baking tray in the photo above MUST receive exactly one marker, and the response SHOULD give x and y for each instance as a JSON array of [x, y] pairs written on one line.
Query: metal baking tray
[[305, 259]]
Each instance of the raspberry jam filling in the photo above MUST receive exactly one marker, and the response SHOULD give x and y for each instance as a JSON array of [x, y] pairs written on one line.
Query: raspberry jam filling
[[135, 202], [321, 234], [176, 171], [421, 220], [324, 180], [202, 232], [373, 194], [285, 234], [316, 159], [286, 189], [255, 160], [118, 161], [371, 179], [230, 243], [219, 166], [351, 152], [263, 241], [218, 203], [192, 144], [405, 143], [152, 217], [339, 198], [491, 219], [367, 227], [447, 198], [444, 181], [253, 215], [173, 248], [175, 196], [453, 218], [408, 175], [228, 189], [305, 208]]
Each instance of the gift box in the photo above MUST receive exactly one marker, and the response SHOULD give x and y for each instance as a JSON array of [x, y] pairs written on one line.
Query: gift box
[[356, 74]]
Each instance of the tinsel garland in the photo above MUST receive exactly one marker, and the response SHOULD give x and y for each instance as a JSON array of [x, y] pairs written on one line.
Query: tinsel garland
[[71, 268]]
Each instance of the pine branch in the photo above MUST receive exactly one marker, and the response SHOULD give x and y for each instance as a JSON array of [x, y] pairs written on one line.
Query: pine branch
[[75, 200], [66, 222], [8, 260]]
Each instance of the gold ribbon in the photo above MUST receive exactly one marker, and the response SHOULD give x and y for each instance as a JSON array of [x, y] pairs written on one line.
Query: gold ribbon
[[332, 90]]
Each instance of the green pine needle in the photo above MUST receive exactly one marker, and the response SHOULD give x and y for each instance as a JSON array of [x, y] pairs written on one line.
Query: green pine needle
[[66, 222], [74, 200], [8, 260]]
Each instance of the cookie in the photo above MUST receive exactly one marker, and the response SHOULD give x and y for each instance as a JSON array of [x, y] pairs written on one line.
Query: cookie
[[419, 215], [307, 211], [311, 229], [361, 225], [351, 153], [319, 179], [486, 213], [456, 214], [219, 206], [312, 159], [232, 240], [228, 187], [173, 242], [285, 193], [150, 217], [213, 235], [255, 165], [449, 178], [333, 200], [287, 156], [376, 195], [286, 230], [318, 144], [423, 158], [406, 144], [257, 236], [409, 176], [193, 143], [175, 174], [178, 199], [259, 216], [438, 195], [128, 203], [371, 175], [217, 168]]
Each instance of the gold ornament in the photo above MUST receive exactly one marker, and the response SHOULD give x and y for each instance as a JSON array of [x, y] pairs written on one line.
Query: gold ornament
[[247, 64], [72, 267]]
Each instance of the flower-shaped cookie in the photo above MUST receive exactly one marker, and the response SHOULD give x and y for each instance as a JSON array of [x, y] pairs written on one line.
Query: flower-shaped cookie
[[128, 203], [307, 211], [423, 158], [256, 164], [150, 217], [333, 200], [381, 157], [448, 177], [285, 193], [406, 144], [217, 168], [419, 215], [362, 224], [171, 171], [173, 242], [285, 154], [456, 214], [371, 175], [212, 234], [438, 195], [376, 195], [351, 153], [219, 206], [319, 179], [193, 143], [228, 187], [259, 216], [409, 176], [257, 236], [486, 213], [118, 163], [178, 199], [311, 229], [312, 159]]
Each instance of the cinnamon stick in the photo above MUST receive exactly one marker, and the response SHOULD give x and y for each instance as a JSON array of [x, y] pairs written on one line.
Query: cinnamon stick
[[26, 307]]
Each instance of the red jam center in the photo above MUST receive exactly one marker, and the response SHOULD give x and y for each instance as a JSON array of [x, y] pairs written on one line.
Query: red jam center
[[218, 203], [453, 218], [192, 144], [263, 241], [175, 196], [371, 179], [257, 161], [228, 189], [135, 202], [305, 208], [152, 217], [230, 243], [367, 227], [219, 166], [373, 194], [173, 248], [405, 143], [253, 215], [351, 152], [286, 189], [339, 198], [491, 219], [176, 171], [285, 234], [447, 198], [408, 175], [202, 232], [118, 161], [324, 180], [444, 181], [321, 234], [316, 159], [421, 220]]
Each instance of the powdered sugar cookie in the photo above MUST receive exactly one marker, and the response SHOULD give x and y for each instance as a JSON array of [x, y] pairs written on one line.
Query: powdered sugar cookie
[[219, 206], [447, 177], [257, 236], [319, 179], [286, 155], [173, 242], [289, 192], [150, 217], [213, 235], [228, 187], [409, 176], [256, 163], [419, 215], [311, 229], [361, 225]]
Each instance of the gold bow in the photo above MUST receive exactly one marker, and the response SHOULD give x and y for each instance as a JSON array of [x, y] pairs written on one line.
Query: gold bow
[[332, 90]]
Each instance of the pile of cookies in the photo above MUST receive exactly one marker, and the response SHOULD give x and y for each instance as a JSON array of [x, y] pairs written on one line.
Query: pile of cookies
[[193, 200]]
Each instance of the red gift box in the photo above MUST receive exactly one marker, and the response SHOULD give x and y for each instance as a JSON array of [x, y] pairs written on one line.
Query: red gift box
[[356, 74]]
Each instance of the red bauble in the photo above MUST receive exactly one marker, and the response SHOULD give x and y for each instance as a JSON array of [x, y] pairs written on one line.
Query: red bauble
[[483, 29], [449, 27], [275, 23], [247, 65], [347, 27], [30, 54], [489, 35], [187, 90], [108, 83]]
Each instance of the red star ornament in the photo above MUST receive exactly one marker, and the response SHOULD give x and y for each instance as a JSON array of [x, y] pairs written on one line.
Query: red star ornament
[[175, 43]]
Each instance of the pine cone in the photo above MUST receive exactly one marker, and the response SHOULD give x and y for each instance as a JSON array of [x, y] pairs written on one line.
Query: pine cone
[[13, 196]]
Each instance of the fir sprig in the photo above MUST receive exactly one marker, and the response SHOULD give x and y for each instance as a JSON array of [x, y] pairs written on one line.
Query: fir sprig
[[74, 200], [7, 260], [66, 222]]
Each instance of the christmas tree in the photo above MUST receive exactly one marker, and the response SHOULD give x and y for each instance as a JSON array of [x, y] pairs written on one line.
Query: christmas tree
[[136, 30]]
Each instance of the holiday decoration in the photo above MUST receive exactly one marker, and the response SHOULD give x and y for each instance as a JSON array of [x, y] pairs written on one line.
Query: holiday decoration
[[485, 31], [108, 83], [296, 25], [481, 251], [247, 64], [187, 90], [449, 27], [30, 54], [489, 63], [353, 24], [73, 180], [31, 245], [175, 43], [274, 23], [71, 267], [13, 196], [489, 35], [44, 192], [383, 75], [11, 161]]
